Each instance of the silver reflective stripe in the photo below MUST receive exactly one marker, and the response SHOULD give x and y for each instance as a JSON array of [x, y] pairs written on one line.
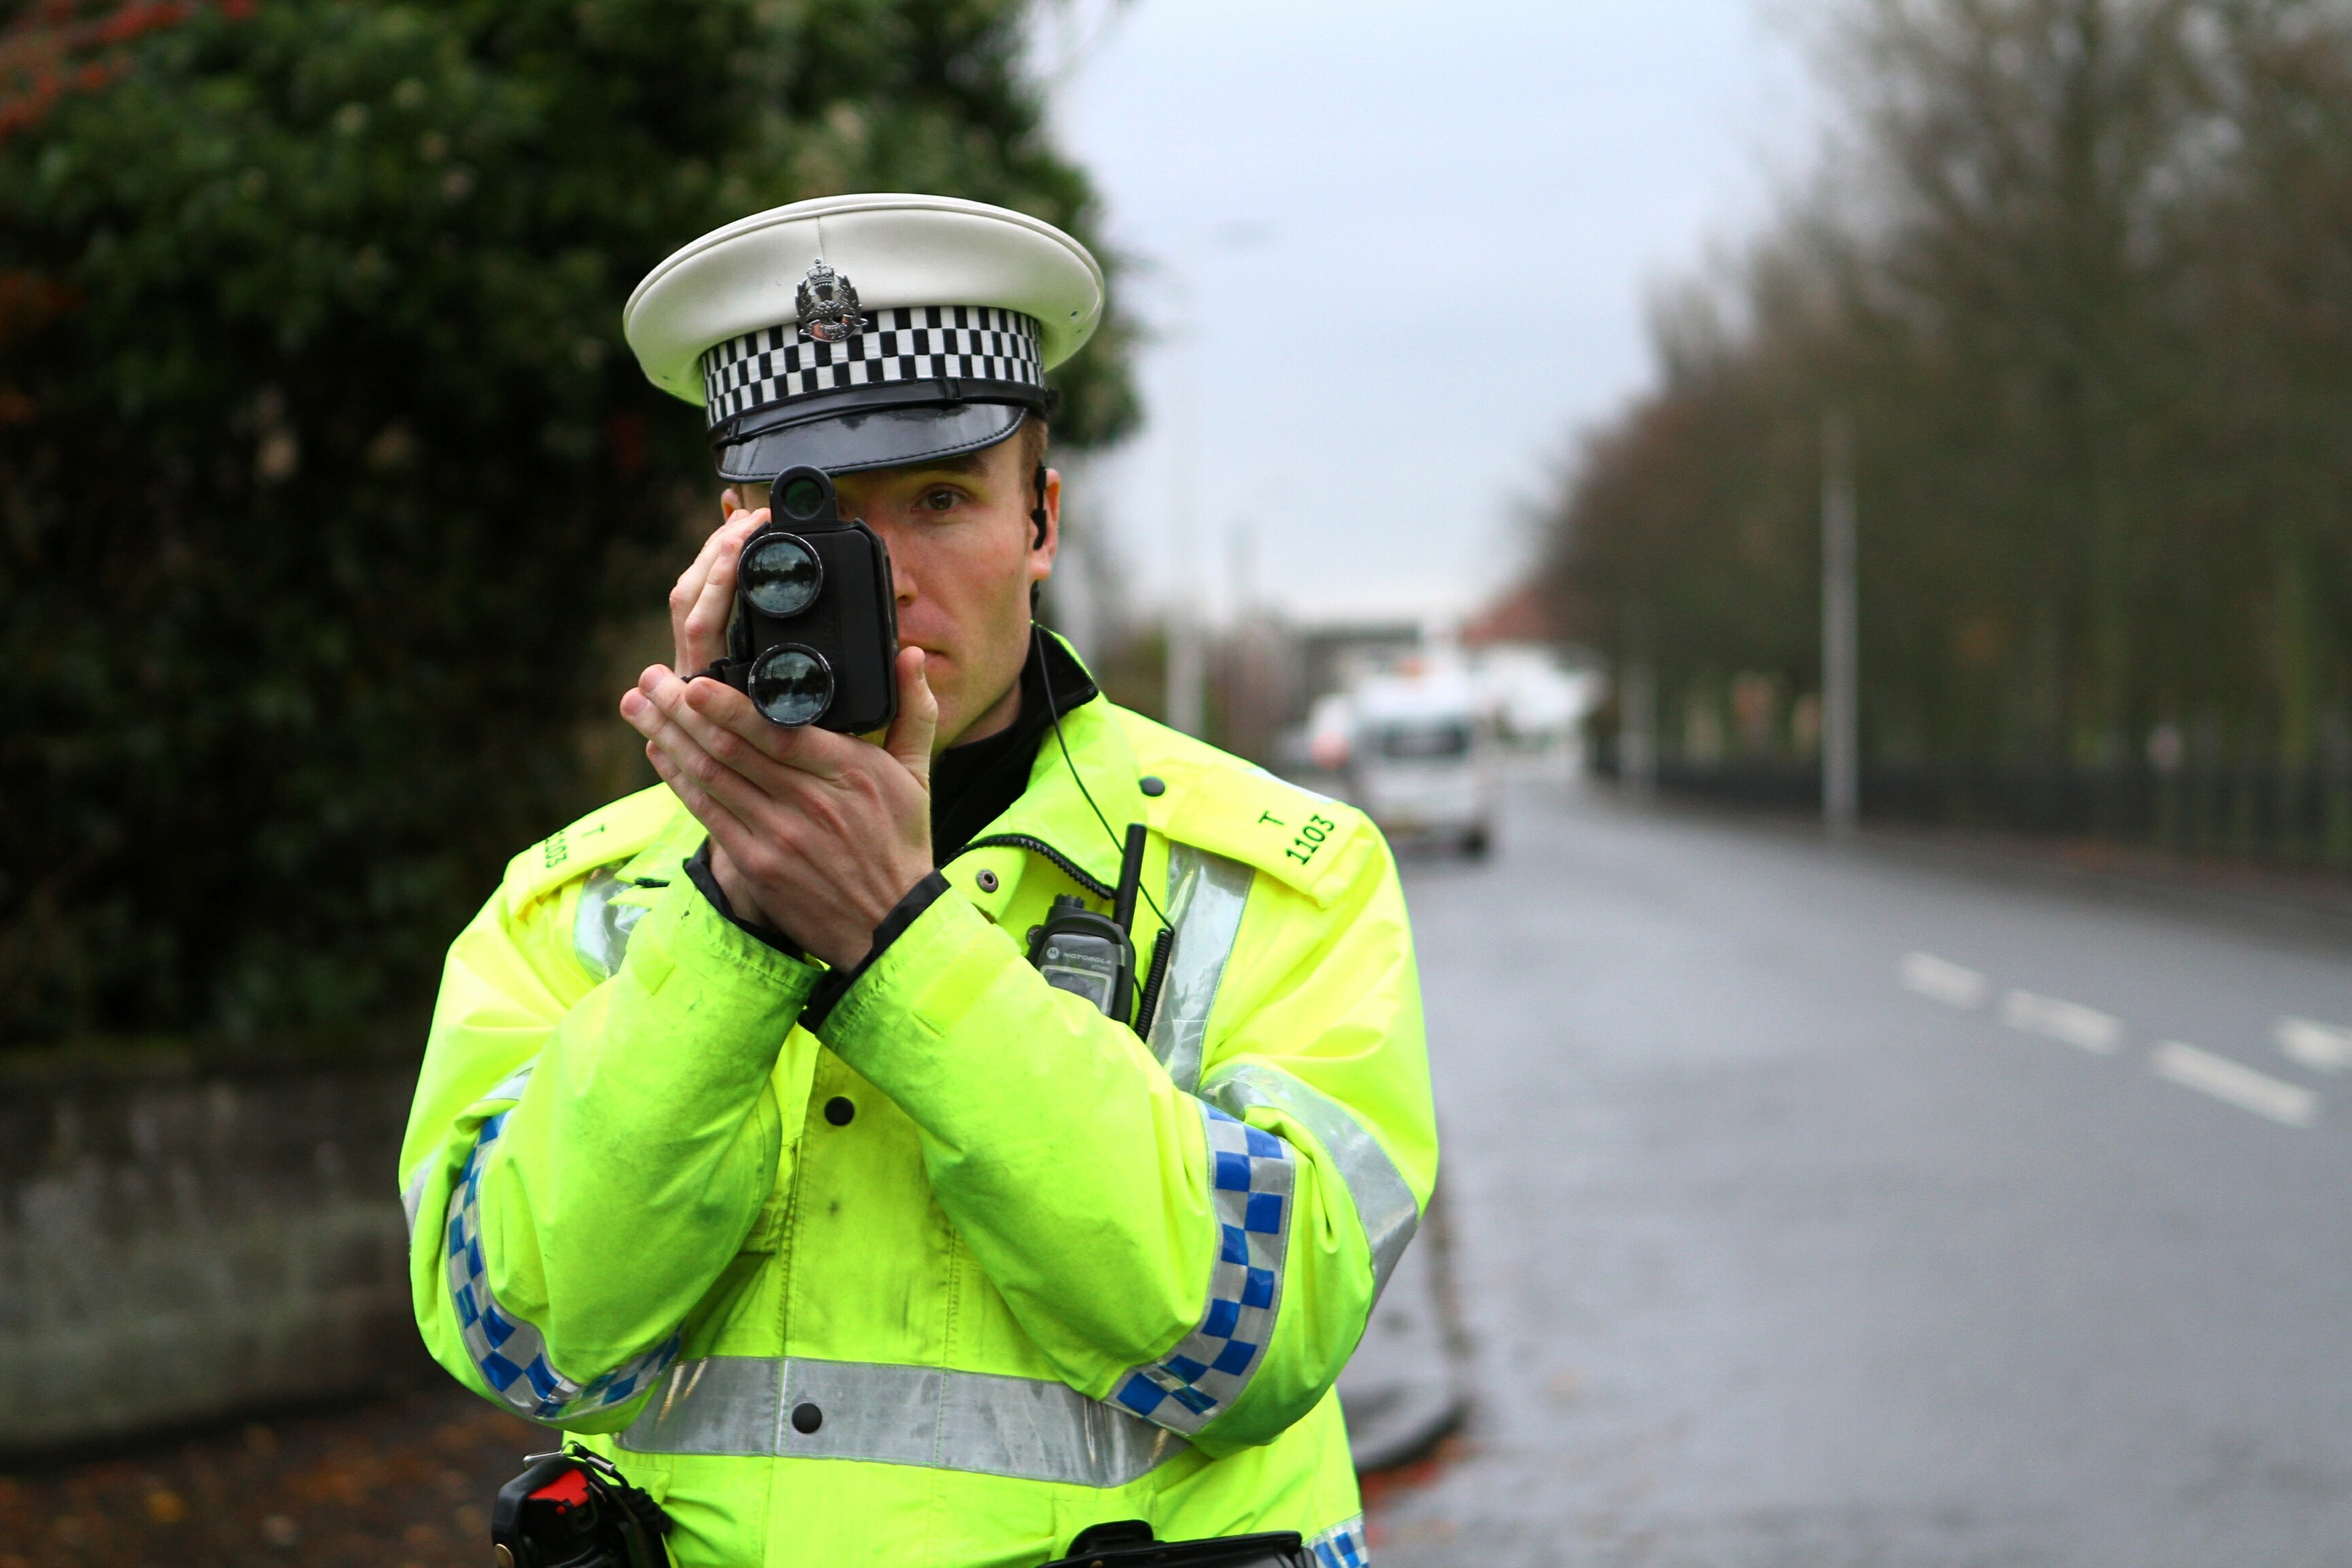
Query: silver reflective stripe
[[1206, 896], [716, 1405], [511, 1086], [412, 1197], [600, 931], [1026, 1428], [1383, 1202]]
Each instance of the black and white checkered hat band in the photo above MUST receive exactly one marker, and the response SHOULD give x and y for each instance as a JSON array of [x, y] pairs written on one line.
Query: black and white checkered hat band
[[916, 342]]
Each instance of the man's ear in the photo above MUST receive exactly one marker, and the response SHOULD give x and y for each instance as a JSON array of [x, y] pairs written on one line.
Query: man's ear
[[1042, 517]]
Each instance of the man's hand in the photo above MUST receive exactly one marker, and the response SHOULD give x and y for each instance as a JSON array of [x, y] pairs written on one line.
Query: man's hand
[[705, 594], [818, 834]]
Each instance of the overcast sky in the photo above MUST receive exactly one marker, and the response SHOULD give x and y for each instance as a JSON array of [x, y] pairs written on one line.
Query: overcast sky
[[1419, 240]]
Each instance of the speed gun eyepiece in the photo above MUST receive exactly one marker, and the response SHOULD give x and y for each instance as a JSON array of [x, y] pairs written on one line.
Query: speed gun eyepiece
[[805, 496]]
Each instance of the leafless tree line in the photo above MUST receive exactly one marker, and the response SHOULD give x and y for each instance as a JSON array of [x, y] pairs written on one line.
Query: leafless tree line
[[2080, 274]]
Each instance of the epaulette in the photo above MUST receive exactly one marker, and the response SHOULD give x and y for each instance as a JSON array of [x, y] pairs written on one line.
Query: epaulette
[[612, 833], [1230, 808]]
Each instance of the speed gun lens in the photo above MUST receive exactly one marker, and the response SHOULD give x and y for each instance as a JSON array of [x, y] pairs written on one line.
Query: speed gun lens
[[792, 685], [782, 576]]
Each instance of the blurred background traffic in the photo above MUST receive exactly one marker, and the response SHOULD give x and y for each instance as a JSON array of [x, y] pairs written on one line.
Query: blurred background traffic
[[1824, 534]]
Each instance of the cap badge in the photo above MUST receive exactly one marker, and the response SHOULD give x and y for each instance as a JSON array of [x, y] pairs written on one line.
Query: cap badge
[[828, 306]]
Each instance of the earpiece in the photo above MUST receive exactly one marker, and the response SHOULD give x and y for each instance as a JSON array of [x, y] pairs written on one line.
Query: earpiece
[[1038, 515]]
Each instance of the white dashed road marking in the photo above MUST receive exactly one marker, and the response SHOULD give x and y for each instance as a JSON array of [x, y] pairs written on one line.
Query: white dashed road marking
[[1944, 980], [2069, 1021], [2235, 1082], [2324, 1048]]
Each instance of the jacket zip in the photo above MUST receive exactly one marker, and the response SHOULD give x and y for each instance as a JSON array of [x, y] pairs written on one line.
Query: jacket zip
[[1069, 868]]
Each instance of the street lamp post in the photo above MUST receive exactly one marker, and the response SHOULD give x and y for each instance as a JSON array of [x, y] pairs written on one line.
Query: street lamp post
[[1841, 750], [1185, 698], [1185, 702]]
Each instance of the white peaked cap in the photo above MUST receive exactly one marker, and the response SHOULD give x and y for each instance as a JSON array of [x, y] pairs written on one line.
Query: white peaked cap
[[897, 249], [864, 332]]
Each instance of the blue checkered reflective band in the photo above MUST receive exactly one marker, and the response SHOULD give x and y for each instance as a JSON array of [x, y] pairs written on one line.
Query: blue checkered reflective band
[[1342, 1546], [1252, 1174], [512, 1353]]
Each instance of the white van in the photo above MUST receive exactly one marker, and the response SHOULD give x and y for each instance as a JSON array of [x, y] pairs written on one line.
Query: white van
[[1417, 760]]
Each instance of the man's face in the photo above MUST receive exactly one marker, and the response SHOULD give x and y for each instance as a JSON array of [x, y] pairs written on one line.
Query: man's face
[[963, 554]]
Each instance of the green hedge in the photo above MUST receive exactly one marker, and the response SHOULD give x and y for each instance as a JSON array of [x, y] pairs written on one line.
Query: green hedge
[[323, 467]]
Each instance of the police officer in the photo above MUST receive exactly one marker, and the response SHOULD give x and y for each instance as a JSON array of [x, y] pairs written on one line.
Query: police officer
[[749, 1139]]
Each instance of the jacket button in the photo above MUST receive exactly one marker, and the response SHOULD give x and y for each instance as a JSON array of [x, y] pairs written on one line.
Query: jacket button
[[838, 1111], [1153, 785], [806, 1418], [986, 881]]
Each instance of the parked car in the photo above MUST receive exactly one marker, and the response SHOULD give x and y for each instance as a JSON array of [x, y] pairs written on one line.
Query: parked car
[[1417, 761]]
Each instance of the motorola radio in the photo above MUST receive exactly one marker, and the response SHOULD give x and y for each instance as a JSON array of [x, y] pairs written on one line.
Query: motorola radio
[[1093, 955]]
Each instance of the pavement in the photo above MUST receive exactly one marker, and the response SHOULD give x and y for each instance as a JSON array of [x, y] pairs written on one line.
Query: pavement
[[1407, 1387], [1827, 1204], [404, 1482]]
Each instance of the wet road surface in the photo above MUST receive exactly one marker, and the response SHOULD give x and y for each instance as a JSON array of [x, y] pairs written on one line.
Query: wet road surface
[[1825, 1205]]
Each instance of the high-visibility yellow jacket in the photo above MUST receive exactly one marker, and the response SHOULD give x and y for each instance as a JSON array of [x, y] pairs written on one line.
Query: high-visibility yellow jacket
[[971, 1267]]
